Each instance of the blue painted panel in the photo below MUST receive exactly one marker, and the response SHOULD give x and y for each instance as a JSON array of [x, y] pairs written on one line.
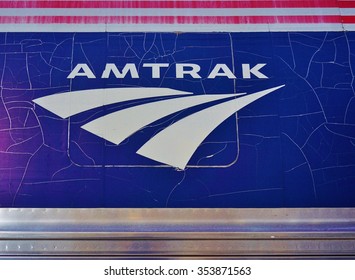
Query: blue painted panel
[[294, 147]]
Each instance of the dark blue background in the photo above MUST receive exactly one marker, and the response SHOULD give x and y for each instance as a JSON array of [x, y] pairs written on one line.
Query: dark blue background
[[292, 148]]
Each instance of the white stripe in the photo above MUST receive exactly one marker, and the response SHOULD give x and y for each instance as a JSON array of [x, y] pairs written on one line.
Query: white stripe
[[349, 27], [277, 27], [118, 126], [174, 12], [176, 144], [71, 103], [347, 12]]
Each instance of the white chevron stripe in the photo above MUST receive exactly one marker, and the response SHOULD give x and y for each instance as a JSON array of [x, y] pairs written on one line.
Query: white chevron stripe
[[117, 126], [176, 144], [71, 103]]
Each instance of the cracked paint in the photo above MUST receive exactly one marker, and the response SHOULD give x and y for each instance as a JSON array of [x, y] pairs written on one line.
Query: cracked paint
[[293, 148]]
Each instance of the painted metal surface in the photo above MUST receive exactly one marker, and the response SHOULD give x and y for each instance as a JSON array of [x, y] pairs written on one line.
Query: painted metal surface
[[68, 97], [292, 148]]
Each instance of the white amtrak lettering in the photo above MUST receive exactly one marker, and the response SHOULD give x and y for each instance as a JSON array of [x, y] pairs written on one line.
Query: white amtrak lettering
[[129, 67], [226, 72], [247, 71], [182, 71], [187, 69], [81, 70], [155, 68]]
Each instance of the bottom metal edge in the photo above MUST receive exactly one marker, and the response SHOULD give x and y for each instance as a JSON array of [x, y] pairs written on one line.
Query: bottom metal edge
[[180, 248], [174, 257], [177, 233]]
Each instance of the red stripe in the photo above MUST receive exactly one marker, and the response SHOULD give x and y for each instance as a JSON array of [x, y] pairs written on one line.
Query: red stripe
[[348, 19], [172, 19], [346, 4], [179, 4]]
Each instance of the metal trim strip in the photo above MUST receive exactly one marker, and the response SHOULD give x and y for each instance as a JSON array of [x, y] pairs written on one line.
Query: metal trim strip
[[177, 233]]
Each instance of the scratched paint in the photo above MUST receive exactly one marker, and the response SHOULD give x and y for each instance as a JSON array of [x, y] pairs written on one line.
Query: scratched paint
[[293, 148]]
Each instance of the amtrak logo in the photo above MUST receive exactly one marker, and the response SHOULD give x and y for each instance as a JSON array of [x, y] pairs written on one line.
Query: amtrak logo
[[174, 145]]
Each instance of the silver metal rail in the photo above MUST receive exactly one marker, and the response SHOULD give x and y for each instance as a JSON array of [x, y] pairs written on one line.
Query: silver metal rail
[[177, 233]]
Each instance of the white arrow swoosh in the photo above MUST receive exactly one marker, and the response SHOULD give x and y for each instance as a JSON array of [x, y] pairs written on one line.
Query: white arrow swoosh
[[71, 103], [176, 144], [117, 126]]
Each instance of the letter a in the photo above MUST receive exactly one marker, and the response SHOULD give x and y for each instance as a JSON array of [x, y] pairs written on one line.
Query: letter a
[[226, 72], [81, 70]]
